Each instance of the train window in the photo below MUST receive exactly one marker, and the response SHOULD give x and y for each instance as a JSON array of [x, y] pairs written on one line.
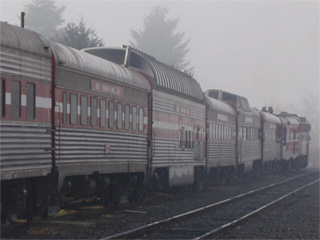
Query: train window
[[248, 133], [187, 139], [222, 132], [245, 104], [285, 135], [119, 116], [15, 99], [3, 97], [84, 110], [191, 139], [73, 108], [244, 133], [134, 118], [141, 119], [216, 131], [127, 117], [213, 130], [111, 114], [214, 94], [31, 101], [94, 111], [102, 113], [228, 97], [64, 106]]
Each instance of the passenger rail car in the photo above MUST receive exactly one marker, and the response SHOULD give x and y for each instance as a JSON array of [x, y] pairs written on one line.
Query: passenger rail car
[[271, 142], [26, 119], [304, 139], [71, 124], [295, 135], [248, 126], [178, 116], [101, 123], [221, 141]]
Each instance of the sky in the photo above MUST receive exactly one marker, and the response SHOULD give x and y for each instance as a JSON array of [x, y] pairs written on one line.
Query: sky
[[267, 51]]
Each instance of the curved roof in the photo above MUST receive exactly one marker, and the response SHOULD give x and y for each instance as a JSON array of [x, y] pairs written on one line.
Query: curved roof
[[270, 118], [161, 75], [171, 78], [87, 63], [220, 106], [24, 53], [23, 39]]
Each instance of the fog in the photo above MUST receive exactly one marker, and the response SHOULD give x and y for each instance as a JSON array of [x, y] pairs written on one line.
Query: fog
[[267, 51]]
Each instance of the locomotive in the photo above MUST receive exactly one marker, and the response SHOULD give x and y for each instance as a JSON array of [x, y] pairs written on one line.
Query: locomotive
[[115, 122]]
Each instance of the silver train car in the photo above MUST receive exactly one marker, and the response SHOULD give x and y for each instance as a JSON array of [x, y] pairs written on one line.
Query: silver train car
[[271, 142], [221, 141], [247, 128], [101, 124], [72, 124], [25, 126], [295, 141], [178, 118]]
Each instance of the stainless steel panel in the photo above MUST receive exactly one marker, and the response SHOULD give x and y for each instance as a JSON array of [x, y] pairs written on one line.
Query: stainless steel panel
[[25, 150]]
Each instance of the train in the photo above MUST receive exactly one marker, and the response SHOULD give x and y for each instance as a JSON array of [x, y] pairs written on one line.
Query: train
[[116, 122]]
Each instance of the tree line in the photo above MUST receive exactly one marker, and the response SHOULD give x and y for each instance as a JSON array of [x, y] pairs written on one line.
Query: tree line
[[158, 37]]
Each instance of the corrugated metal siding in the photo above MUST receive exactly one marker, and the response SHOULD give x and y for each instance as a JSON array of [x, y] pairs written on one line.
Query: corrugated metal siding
[[26, 65], [271, 151], [221, 153], [80, 146], [90, 64], [249, 150], [168, 106], [166, 150], [24, 150], [174, 79], [24, 54]]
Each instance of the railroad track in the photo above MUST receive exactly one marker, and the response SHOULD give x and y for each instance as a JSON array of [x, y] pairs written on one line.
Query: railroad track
[[209, 220]]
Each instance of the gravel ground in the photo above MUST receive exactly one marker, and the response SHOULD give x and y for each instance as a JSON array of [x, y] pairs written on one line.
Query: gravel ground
[[97, 222], [295, 218]]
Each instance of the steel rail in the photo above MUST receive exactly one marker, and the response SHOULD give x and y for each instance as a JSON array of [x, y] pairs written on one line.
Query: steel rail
[[246, 216], [148, 227]]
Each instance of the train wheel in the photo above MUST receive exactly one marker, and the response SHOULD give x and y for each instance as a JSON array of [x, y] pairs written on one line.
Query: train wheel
[[115, 192], [105, 198], [29, 207], [222, 178], [199, 180]]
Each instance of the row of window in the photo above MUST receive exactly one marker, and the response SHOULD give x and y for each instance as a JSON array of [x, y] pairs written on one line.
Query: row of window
[[16, 99], [108, 112], [248, 133], [225, 132], [220, 131], [289, 134], [187, 137]]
